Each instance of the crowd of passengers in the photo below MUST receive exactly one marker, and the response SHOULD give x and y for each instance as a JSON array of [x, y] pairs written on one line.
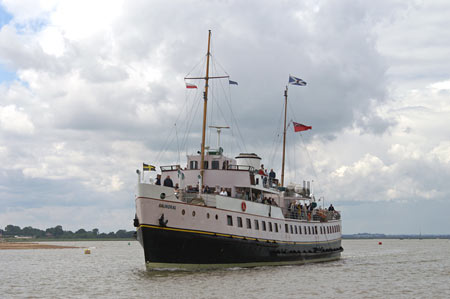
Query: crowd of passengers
[[299, 211]]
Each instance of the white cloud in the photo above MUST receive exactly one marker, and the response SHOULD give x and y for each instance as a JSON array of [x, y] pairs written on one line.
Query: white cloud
[[14, 120]]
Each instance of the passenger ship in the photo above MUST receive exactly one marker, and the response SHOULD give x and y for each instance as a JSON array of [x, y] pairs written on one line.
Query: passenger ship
[[187, 227]]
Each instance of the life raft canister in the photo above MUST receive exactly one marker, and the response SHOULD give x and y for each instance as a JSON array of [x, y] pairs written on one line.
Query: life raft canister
[[243, 206]]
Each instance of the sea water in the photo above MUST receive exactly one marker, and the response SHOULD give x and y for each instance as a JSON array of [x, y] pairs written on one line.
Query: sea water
[[116, 269]]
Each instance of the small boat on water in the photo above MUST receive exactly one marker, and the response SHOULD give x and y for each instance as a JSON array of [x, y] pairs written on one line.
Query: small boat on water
[[227, 212]]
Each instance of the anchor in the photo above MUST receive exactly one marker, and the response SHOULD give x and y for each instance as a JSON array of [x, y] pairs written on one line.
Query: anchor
[[163, 222]]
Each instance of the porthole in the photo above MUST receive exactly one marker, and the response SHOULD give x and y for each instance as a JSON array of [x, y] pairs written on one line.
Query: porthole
[[183, 212], [193, 213], [207, 215], [163, 195]]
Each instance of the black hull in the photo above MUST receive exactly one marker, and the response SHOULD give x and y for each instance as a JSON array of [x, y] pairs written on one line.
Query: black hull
[[183, 247]]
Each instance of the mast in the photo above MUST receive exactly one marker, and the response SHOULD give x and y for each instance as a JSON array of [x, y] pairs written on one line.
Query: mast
[[284, 136], [205, 104]]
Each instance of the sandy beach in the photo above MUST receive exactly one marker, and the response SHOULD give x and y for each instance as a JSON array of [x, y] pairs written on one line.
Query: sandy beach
[[27, 245]]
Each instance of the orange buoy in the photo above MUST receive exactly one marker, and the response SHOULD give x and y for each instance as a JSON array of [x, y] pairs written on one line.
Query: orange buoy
[[243, 206]]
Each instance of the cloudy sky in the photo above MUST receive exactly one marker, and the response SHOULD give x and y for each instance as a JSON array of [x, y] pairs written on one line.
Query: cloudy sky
[[91, 89]]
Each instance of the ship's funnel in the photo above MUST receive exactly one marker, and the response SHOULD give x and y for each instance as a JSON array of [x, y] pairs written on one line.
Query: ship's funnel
[[248, 159]]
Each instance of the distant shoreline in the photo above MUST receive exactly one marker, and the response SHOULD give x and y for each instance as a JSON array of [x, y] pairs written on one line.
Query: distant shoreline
[[30, 245], [383, 236]]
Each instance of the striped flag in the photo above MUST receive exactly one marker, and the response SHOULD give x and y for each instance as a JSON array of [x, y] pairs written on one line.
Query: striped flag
[[189, 85]]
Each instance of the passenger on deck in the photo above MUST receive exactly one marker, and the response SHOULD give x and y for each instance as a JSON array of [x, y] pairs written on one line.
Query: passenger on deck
[[331, 208], [158, 180], [272, 176], [176, 187], [168, 182], [206, 190], [223, 192], [261, 170]]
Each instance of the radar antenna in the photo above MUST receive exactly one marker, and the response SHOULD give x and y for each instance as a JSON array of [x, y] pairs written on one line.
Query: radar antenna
[[219, 130]]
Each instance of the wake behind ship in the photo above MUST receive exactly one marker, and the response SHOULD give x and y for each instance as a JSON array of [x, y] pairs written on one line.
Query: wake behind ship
[[219, 211]]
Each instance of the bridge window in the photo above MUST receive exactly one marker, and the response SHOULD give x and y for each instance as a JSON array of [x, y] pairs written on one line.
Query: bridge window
[[296, 231], [256, 224], [276, 227], [270, 226], [215, 164], [299, 229], [286, 228], [193, 165], [263, 225], [292, 231], [249, 223]]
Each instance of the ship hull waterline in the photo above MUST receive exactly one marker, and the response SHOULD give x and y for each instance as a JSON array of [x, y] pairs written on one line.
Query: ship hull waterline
[[166, 247]]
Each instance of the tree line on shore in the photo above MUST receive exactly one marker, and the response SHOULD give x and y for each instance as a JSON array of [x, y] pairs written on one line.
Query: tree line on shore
[[57, 232]]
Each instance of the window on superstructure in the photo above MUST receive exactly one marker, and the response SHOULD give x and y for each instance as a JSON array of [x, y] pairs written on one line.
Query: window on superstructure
[[257, 181], [286, 228], [249, 223], [263, 225], [230, 220], [256, 224], [239, 221], [315, 228], [292, 230], [299, 229], [205, 163], [193, 165], [309, 230], [296, 231], [305, 230], [276, 227], [215, 164], [270, 226]]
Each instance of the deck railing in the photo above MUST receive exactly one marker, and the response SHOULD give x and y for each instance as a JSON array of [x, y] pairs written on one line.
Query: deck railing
[[321, 215]]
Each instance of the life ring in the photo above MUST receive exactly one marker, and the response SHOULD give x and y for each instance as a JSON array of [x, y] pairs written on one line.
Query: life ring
[[243, 206]]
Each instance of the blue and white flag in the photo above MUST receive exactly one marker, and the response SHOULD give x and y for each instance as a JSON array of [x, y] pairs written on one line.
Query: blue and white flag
[[296, 81], [232, 82]]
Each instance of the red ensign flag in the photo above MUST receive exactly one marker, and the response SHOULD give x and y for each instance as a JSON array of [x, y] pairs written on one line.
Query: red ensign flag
[[299, 127]]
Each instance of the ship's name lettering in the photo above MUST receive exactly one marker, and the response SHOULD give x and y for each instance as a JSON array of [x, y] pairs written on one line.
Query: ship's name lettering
[[166, 206]]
